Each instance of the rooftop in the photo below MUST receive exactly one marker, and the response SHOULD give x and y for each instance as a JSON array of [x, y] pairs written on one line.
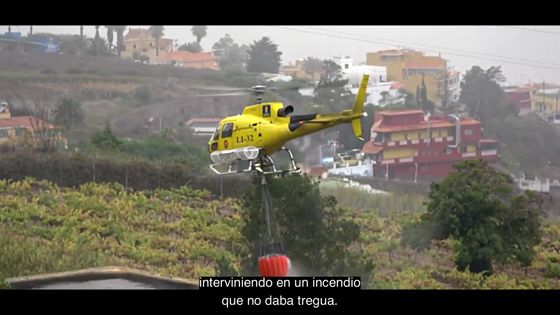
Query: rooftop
[[20, 121]]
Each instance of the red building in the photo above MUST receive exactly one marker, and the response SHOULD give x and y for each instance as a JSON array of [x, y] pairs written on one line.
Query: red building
[[406, 145], [520, 97]]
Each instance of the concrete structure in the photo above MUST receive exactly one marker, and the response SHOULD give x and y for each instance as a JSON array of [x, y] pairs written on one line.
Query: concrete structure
[[296, 70], [101, 278], [187, 59], [407, 145], [520, 97], [141, 41], [545, 98], [410, 67], [203, 126]]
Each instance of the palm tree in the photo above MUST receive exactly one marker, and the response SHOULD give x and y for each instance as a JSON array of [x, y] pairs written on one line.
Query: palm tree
[[69, 113], [97, 40], [110, 37], [30, 30], [120, 37], [81, 39], [157, 32], [199, 31]]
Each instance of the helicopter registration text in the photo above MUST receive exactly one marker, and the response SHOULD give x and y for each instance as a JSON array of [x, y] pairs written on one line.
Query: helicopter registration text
[[247, 138]]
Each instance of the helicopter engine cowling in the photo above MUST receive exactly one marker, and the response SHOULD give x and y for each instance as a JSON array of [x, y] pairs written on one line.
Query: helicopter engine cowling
[[284, 112]]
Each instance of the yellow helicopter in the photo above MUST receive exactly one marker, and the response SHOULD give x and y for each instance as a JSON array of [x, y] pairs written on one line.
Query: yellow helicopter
[[263, 128]]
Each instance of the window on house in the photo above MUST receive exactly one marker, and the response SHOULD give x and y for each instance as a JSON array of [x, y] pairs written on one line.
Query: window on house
[[151, 44], [3, 133], [19, 132], [468, 132], [134, 46], [463, 148], [346, 66], [227, 131], [447, 150]]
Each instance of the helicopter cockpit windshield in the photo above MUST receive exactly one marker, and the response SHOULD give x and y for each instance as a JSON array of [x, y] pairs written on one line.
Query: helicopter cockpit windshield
[[216, 135]]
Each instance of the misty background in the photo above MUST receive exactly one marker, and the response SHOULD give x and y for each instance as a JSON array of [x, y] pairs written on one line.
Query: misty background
[[526, 53]]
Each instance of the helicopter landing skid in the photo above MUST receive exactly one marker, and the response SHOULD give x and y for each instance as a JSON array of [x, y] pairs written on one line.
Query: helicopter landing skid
[[263, 164]]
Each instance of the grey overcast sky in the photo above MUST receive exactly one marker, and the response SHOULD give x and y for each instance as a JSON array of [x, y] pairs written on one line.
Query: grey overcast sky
[[526, 53]]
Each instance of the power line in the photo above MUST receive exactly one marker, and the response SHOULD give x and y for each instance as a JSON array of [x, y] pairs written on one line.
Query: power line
[[445, 51], [531, 30], [439, 48]]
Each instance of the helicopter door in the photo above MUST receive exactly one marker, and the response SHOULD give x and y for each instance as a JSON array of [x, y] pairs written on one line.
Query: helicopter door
[[227, 131]]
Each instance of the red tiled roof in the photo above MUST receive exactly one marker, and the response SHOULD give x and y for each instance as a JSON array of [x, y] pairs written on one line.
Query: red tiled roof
[[396, 85], [371, 148], [21, 121], [138, 33]]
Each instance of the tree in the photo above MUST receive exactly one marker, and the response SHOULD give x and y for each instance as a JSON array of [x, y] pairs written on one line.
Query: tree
[[69, 113], [157, 33], [476, 206], [193, 47], [264, 57], [143, 95], [422, 96], [30, 30], [106, 139], [332, 95], [230, 54], [41, 116], [97, 40], [312, 65], [313, 230], [110, 30], [481, 92], [120, 38], [199, 31]]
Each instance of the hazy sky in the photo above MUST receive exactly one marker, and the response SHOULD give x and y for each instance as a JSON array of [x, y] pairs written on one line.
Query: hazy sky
[[525, 52]]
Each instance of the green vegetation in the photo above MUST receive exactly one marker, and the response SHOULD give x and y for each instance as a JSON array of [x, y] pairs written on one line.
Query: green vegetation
[[184, 232], [69, 113], [316, 234], [476, 206], [264, 56], [180, 231], [142, 95]]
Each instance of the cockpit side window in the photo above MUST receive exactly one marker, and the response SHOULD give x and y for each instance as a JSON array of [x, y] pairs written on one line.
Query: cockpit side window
[[227, 130], [216, 136]]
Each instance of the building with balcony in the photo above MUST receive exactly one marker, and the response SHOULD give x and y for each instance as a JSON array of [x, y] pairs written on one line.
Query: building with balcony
[[407, 145], [411, 67]]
